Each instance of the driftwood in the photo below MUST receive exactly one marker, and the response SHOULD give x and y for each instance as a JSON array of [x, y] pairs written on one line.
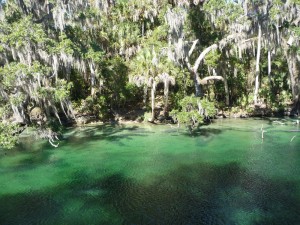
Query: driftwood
[[278, 122]]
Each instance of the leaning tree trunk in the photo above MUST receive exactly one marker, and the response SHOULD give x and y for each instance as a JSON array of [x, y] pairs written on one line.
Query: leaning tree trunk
[[194, 69], [257, 64]]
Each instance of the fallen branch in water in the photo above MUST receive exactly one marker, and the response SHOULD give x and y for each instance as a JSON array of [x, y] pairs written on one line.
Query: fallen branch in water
[[54, 145], [50, 135], [262, 133], [278, 122], [293, 138]]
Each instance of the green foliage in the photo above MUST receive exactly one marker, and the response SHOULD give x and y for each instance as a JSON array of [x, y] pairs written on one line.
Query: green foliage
[[296, 2], [45, 63], [5, 110], [223, 12], [94, 55], [94, 107], [64, 45], [14, 74], [62, 90], [23, 32], [212, 59], [275, 10], [193, 111], [8, 135], [198, 26]]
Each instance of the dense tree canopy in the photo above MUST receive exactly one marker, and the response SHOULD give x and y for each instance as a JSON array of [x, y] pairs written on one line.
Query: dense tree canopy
[[60, 60]]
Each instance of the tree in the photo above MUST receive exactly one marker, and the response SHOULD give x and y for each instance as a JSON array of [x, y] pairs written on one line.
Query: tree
[[145, 73], [167, 80], [8, 135], [193, 112], [59, 55]]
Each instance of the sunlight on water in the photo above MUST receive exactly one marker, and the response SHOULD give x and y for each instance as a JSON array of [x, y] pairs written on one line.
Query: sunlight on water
[[145, 174]]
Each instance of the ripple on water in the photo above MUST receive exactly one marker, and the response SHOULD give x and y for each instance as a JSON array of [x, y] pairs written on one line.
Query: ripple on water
[[224, 174]]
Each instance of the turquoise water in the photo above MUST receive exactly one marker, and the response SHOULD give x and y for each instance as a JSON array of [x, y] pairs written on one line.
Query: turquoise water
[[146, 174]]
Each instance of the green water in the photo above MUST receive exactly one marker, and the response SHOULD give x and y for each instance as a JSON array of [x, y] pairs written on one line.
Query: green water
[[146, 174]]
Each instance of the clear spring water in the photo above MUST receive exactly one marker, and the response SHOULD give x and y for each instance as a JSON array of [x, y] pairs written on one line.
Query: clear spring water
[[144, 174]]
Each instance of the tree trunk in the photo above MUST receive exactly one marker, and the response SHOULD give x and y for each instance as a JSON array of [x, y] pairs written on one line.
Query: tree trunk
[[269, 58], [143, 28], [221, 70], [145, 95], [226, 89], [257, 65], [294, 76], [291, 58], [198, 91], [166, 93], [269, 67], [23, 6], [245, 7], [200, 58], [153, 90], [93, 79]]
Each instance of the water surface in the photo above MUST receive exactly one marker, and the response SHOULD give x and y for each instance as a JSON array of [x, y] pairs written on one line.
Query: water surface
[[144, 174]]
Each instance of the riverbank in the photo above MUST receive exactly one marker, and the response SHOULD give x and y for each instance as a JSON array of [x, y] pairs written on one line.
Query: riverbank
[[140, 116]]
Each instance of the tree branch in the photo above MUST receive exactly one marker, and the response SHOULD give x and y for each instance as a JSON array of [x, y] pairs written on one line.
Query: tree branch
[[221, 43], [206, 79], [202, 55], [193, 47]]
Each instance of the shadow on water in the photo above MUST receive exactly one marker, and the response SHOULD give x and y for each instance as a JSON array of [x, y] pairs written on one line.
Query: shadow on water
[[43, 153], [29, 208], [206, 132], [111, 132], [200, 193]]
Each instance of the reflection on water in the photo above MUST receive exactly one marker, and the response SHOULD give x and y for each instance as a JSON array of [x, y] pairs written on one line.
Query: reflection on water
[[223, 174]]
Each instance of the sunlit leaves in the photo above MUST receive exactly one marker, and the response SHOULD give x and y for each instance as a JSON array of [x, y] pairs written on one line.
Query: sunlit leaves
[[23, 32], [8, 138], [212, 59], [193, 111], [18, 74], [223, 12], [64, 45]]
